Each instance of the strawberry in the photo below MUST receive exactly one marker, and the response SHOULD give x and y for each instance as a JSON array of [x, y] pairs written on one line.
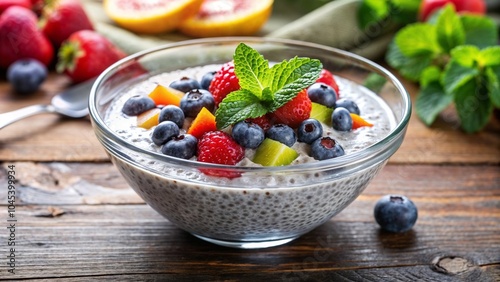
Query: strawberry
[[61, 18], [327, 78], [294, 112], [4, 4], [219, 147], [86, 54], [224, 82], [20, 37]]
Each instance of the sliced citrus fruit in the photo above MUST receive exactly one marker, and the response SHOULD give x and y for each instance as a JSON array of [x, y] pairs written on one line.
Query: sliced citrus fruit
[[228, 18], [151, 16]]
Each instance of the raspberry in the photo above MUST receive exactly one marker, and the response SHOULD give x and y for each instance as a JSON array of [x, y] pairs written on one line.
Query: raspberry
[[219, 148], [262, 121], [224, 82], [327, 78], [294, 112]]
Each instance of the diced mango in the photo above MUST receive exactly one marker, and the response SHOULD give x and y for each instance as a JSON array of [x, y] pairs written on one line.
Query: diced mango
[[203, 122], [358, 121], [149, 118], [164, 95]]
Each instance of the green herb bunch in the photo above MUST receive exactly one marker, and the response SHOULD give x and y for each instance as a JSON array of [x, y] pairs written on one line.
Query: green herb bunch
[[456, 60]]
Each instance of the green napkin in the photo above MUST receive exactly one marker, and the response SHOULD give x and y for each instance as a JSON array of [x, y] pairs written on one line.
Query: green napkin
[[333, 24]]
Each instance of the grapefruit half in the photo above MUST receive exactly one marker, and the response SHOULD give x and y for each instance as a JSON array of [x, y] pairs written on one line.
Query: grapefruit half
[[228, 18]]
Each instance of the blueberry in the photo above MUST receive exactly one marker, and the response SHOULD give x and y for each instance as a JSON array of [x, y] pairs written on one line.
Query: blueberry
[[395, 213], [164, 131], [309, 130], [182, 146], [341, 119], [193, 101], [26, 75], [137, 105], [185, 84], [282, 133], [350, 105], [206, 79], [248, 134], [322, 94], [326, 148], [172, 113]]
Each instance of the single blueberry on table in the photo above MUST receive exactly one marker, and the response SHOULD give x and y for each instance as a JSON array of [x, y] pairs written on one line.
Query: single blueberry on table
[[164, 131], [172, 113], [183, 146], [26, 75], [137, 105], [282, 133], [248, 134], [395, 213], [195, 100], [185, 84], [341, 120], [323, 94], [206, 79], [326, 148], [309, 130], [350, 105]]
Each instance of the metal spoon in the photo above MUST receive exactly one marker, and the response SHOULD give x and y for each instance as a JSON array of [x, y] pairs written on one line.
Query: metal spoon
[[72, 102]]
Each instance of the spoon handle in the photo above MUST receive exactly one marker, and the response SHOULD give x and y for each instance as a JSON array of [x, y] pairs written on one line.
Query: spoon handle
[[13, 116]]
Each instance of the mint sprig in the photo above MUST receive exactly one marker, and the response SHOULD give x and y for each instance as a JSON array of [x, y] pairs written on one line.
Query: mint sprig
[[456, 60], [264, 89]]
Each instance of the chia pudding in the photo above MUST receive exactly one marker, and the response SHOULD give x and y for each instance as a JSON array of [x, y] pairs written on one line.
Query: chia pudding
[[262, 204]]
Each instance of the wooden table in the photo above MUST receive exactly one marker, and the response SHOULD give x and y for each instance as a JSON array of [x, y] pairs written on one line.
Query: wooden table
[[76, 218]]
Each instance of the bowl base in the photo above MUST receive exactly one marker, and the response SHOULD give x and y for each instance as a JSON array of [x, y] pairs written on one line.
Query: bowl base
[[247, 244]]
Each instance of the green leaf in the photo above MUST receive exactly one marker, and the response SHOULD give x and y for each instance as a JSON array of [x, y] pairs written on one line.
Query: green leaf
[[430, 74], [237, 106], [450, 32], [466, 55], [473, 105], [251, 69], [404, 11], [479, 30], [431, 101], [493, 79], [372, 11], [374, 82], [490, 56], [456, 75], [417, 39], [410, 67]]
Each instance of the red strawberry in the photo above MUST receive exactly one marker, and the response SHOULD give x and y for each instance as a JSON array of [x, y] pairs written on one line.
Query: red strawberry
[[219, 147], [294, 112], [61, 18], [86, 54], [327, 78], [20, 38], [224, 82], [4, 4]]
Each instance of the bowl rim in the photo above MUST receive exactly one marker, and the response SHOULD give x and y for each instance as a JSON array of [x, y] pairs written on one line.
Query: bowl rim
[[379, 147]]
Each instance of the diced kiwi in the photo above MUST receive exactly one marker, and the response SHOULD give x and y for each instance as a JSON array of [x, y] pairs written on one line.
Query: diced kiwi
[[321, 113], [274, 153]]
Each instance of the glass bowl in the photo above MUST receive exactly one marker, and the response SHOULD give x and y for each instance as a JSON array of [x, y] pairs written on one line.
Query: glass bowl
[[264, 206]]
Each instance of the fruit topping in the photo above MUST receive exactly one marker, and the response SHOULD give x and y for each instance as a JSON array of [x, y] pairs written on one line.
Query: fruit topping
[[206, 80], [224, 82], [348, 104], [327, 77], [137, 105], [341, 120], [164, 95], [321, 113], [262, 121], [185, 84], [219, 147], [172, 113], [395, 213], [248, 134], [193, 101], [295, 111], [204, 122], [164, 131], [183, 146], [322, 94], [326, 148], [274, 153], [309, 130], [282, 133], [26, 75], [148, 119], [358, 122]]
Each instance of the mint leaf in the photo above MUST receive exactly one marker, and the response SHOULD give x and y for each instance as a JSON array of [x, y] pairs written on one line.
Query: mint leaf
[[417, 39], [431, 101], [493, 79], [371, 12], [479, 30], [490, 56], [430, 74], [237, 106], [405, 11], [374, 82], [473, 105], [410, 67], [450, 32], [466, 55], [252, 69], [456, 75]]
